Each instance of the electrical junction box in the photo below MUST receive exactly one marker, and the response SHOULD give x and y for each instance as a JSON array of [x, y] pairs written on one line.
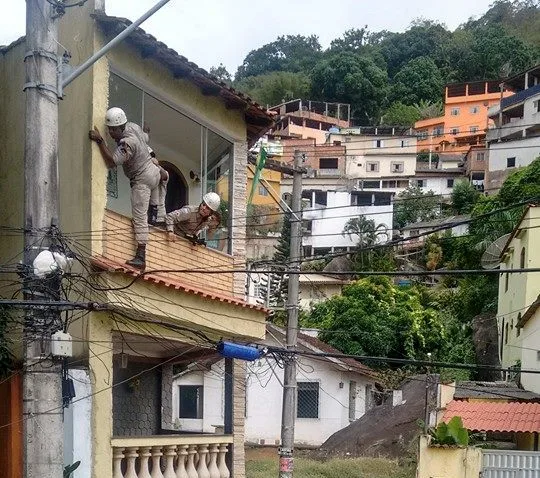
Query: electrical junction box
[[61, 344]]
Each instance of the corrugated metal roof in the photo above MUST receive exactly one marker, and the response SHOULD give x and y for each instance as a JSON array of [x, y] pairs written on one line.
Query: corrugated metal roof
[[494, 390], [496, 417]]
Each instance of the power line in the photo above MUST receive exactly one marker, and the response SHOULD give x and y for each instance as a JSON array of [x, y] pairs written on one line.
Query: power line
[[400, 361]]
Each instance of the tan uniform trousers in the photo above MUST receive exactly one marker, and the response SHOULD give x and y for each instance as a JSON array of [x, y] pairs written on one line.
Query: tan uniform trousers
[[142, 188], [157, 197]]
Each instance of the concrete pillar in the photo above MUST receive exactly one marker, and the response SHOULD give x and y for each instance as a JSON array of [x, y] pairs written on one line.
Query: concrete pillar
[[238, 209]]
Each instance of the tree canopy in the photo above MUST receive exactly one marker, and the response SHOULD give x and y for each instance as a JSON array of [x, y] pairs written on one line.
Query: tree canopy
[[375, 317], [413, 205], [349, 78], [373, 70]]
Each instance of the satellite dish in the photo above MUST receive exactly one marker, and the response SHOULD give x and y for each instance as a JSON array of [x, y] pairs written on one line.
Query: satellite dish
[[491, 258]]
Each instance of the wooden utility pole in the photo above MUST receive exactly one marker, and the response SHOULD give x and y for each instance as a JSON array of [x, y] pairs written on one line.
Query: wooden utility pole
[[286, 463], [42, 380]]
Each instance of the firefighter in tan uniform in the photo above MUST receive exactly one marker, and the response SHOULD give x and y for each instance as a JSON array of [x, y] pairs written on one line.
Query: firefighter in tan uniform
[[190, 220], [144, 176]]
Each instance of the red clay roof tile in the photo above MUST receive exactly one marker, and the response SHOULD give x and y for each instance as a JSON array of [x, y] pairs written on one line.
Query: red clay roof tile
[[112, 266], [492, 416]]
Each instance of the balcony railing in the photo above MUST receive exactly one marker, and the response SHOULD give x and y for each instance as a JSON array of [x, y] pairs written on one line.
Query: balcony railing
[[197, 456]]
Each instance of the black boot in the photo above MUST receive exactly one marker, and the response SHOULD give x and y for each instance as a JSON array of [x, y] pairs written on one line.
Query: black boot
[[139, 261], [152, 215]]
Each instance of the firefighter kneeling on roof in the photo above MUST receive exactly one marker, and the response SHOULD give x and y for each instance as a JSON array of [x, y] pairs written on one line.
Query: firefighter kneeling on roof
[[189, 221]]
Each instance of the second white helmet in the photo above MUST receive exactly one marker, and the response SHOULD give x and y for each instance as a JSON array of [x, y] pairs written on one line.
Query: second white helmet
[[115, 117], [212, 200]]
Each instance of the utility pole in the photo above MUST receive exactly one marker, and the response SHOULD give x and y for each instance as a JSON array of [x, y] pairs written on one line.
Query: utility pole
[[42, 380], [43, 453], [286, 463]]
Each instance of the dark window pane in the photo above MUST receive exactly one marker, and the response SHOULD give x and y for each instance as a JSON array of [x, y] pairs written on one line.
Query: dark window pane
[[191, 401], [320, 198], [328, 163]]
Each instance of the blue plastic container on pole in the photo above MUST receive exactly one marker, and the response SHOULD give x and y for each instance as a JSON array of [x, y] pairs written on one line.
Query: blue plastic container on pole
[[237, 351]]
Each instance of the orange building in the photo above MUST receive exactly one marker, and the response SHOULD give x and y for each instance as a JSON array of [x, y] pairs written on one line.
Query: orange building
[[465, 118]]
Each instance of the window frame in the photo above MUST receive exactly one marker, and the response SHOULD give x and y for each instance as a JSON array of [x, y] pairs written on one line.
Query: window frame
[[372, 163], [512, 160], [205, 128], [400, 164], [454, 111], [450, 182], [308, 384]]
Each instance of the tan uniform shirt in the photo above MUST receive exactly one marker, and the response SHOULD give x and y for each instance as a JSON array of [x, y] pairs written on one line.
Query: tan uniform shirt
[[132, 152], [187, 220]]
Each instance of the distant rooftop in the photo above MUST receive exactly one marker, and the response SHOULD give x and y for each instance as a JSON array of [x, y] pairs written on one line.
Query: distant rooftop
[[493, 390], [338, 111]]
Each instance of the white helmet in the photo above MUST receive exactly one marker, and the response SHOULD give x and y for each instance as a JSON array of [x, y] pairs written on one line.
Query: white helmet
[[212, 200], [115, 117]]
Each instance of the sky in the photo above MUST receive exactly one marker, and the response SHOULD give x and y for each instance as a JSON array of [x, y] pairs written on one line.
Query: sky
[[210, 32]]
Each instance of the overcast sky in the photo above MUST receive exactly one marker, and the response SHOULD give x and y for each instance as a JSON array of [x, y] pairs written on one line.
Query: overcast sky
[[212, 31]]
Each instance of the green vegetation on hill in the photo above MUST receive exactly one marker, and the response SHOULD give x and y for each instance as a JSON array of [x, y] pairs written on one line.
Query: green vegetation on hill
[[374, 70]]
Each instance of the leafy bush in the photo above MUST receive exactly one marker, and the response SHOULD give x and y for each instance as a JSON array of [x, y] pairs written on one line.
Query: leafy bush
[[451, 433]]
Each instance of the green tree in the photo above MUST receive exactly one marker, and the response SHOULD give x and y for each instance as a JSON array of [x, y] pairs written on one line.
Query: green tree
[[522, 184], [520, 18], [428, 109], [425, 38], [487, 53], [464, 197], [275, 87], [6, 357], [413, 205], [399, 114], [292, 53], [349, 78], [221, 73], [418, 80], [352, 40], [375, 317], [368, 233]]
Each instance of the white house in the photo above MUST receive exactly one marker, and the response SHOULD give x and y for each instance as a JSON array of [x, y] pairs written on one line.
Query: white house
[[381, 158], [514, 142], [329, 204], [331, 394], [460, 228], [315, 288]]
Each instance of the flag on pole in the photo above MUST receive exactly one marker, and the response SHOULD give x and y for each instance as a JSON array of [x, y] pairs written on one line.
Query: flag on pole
[[261, 160]]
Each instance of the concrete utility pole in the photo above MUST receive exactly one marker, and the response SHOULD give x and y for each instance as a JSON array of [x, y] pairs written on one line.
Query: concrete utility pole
[[286, 450], [42, 380]]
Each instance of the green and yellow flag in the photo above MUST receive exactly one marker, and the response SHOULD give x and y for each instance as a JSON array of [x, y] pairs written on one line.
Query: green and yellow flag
[[261, 160]]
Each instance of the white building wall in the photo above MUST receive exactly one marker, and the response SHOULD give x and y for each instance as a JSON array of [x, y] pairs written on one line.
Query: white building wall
[[524, 150], [213, 399], [530, 353], [264, 402], [439, 185], [77, 428], [328, 223], [358, 165]]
